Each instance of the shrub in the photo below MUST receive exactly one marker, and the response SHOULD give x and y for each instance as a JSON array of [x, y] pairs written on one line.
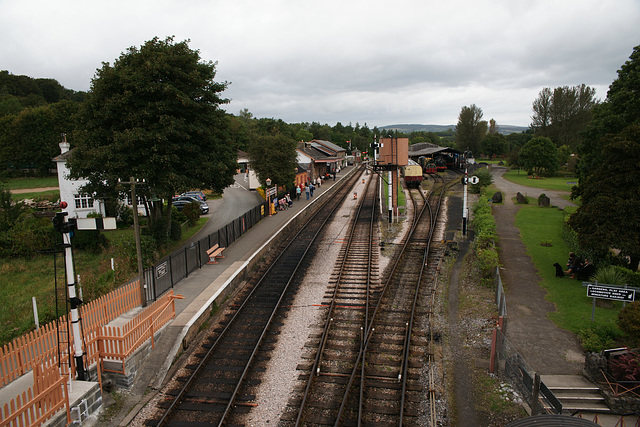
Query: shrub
[[625, 367], [124, 216], [631, 278], [127, 250], [178, 216], [89, 240], [598, 338], [176, 231], [610, 275], [629, 322], [485, 179], [487, 261], [27, 236], [484, 244], [192, 212]]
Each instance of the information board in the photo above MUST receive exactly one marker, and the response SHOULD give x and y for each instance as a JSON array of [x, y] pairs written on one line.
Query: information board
[[611, 292]]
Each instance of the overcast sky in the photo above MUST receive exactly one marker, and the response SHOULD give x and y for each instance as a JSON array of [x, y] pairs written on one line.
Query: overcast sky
[[374, 62]]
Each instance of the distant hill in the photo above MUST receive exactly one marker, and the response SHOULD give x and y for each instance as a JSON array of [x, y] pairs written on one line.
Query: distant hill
[[408, 128]]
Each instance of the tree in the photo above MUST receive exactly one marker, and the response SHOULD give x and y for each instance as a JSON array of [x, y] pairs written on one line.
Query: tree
[[470, 129], [542, 106], [155, 115], [539, 156], [619, 110], [609, 174], [562, 114], [608, 215], [494, 144], [274, 157]]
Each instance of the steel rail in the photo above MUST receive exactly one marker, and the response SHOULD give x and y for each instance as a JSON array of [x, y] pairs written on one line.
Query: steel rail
[[433, 216], [371, 325], [315, 369], [181, 394]]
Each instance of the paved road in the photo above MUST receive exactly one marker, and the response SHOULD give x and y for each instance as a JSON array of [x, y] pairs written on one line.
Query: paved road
[[510, 190], [235, 201]]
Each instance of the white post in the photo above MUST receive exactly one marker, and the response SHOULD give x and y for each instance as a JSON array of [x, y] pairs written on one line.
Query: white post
[[390, 198], [74, 301], [35, 312], [464, 205]]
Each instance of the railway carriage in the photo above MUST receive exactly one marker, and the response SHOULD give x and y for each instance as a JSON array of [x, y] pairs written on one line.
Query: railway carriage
[[413, 174]]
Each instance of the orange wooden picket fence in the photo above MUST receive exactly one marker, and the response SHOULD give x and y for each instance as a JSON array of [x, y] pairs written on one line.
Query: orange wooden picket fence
[[39, 349], [40, 402], [119, 342]]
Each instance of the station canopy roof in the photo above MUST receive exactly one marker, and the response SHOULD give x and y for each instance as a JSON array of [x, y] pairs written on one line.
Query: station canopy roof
[[428, 150]]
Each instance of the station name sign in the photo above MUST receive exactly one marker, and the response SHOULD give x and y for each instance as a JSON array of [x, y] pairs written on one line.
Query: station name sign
[[610, 292]]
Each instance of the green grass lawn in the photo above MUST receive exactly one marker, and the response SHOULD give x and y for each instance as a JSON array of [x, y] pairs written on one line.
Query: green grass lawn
[[22, 279], [51, 195], [557, 183], [544, 225], [24, 183]]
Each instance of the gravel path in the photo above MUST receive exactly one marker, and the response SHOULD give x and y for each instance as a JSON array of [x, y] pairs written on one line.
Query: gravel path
[[546, 347]]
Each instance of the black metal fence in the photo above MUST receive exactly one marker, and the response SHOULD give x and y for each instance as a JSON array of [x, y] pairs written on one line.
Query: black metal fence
[[178, 265]]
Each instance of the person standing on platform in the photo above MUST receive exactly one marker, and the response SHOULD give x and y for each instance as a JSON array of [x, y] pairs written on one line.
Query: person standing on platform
[[298, 191], [307, 191]]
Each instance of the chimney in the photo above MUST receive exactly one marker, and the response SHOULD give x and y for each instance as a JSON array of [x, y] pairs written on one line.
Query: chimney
[[64, 145]]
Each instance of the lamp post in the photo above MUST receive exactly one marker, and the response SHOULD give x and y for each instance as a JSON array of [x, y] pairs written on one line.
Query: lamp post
[[268, 182]]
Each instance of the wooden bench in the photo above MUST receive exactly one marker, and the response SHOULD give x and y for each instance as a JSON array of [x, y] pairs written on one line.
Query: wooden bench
[[215, 253]]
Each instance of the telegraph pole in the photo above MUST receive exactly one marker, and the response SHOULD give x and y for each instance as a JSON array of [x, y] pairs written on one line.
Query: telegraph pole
[[136, 226]]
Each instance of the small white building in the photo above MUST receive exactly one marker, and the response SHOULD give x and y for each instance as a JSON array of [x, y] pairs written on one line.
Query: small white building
[[79, 204]]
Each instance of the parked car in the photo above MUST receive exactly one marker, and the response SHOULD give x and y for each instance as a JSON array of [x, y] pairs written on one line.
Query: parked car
[[181, 201], [199, 194]]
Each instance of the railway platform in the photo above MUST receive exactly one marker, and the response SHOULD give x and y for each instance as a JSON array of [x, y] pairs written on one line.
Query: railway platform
[[202, 290]]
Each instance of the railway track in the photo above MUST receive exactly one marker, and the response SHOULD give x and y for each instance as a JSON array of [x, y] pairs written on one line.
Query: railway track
[[371, 352], [217, 389]]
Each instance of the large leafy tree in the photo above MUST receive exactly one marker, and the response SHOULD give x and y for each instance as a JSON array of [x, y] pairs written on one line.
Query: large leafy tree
[[494, 144], [563, 113], [30, 138], [155, 115], [609, 215], [609, 170], [274, 157], [470, 129], [540, 156]]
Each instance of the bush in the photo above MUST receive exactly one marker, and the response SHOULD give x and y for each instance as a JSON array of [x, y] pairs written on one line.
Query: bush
[[485, 179], [89, 240], [124, 216], [127, 250], [178, 216], [176, 231], [626, 367], [487, 261], [27, 236], [484, 244], [629, 322], [598, 338], [192, 212], [610, 275]]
